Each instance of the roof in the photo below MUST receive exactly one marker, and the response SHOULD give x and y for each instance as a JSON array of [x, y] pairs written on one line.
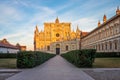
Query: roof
[[23, 46], [102, 25], [5, 44], [84, 33]]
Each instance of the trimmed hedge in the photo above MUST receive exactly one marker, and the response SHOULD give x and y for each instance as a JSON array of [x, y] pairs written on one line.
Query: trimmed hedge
[[8, 55], [29, 59], [81, 58], [107, 54]]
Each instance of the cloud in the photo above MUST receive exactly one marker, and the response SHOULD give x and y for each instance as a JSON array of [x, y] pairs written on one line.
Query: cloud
[[85, 24], [9, 15], [34, 6], [23, 38], [21, 17], [1, 32], [21, 33], [12, 35], [24, 3]]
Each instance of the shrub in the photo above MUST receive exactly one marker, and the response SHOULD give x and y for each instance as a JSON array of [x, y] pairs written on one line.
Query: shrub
[[29, 59], [8, 55], [107, 54], [81, 58]]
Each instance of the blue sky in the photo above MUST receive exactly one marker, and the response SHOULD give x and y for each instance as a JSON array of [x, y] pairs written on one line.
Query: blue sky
[[18, 18]]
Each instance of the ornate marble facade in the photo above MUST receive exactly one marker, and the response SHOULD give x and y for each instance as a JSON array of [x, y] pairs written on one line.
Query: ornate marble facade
[[56, 36], [106, 37]]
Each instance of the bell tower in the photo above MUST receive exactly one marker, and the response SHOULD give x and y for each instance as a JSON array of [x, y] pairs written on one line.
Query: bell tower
[[36, 38], [57, 20], [99, 23], [104, 18], [117, 11]]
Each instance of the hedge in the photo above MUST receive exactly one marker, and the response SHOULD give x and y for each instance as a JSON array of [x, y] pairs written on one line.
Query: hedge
[[29, 59], [80, 58], [107, 54], [8, 55]]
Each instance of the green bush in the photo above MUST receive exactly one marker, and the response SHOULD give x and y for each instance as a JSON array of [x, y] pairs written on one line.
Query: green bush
[[107, 54], [29, 59], [81, 58], [8, 55]]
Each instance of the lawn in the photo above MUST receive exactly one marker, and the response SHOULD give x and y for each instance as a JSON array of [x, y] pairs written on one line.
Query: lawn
[[99, 63], [107, 63], [7, 63]]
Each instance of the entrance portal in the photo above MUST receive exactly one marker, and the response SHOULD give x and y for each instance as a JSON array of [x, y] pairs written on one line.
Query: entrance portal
[[57, 49]]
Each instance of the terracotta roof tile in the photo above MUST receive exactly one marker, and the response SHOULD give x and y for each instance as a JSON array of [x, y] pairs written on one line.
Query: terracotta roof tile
[[7, 45]]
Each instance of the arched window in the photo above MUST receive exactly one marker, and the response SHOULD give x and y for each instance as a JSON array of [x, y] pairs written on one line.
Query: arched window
[[48, 48], [66, 47], [115, 45], [41, 47], [102, 46], [110, 43], [106, 46], [99, 46], [96, 47], [73, 46]]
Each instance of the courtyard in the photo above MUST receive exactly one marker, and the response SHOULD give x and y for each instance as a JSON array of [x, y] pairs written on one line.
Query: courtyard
[[60, 69]]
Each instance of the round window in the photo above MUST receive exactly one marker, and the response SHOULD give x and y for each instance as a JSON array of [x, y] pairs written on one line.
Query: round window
[[57, 35]]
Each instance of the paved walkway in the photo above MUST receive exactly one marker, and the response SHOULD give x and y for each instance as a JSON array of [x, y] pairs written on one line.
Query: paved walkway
[[56, 68]]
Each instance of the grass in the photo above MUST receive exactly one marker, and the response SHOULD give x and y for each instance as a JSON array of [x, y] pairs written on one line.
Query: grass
[[7, 63], [106, 63], [99, 63]]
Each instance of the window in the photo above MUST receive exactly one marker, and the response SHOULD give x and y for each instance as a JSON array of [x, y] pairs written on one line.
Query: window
[[96, 47], [41, 47], [48, 48], [99, 46], [66, 47], [7, 51], [72, 46], [115, 44], [106, 46], [110, 45], [102, 46], [57, 35]]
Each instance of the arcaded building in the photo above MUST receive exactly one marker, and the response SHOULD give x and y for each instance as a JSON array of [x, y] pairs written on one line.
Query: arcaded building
[[57, 37], [105, 37]]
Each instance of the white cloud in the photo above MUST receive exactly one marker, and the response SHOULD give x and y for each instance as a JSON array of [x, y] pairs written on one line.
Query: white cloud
[[9, 15], [21, 3], [1, 32], [25, 33], [85, 24], [12, 35], [22, 37]]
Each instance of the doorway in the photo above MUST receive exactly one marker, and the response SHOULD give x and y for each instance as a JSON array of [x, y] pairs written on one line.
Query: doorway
[[57, 49]]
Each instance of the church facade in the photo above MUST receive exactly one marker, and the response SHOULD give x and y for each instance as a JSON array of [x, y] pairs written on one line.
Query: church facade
[[56, 38], [106, 37]]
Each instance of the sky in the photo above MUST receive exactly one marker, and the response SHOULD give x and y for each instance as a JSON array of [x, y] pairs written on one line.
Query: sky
[[18, 18]]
